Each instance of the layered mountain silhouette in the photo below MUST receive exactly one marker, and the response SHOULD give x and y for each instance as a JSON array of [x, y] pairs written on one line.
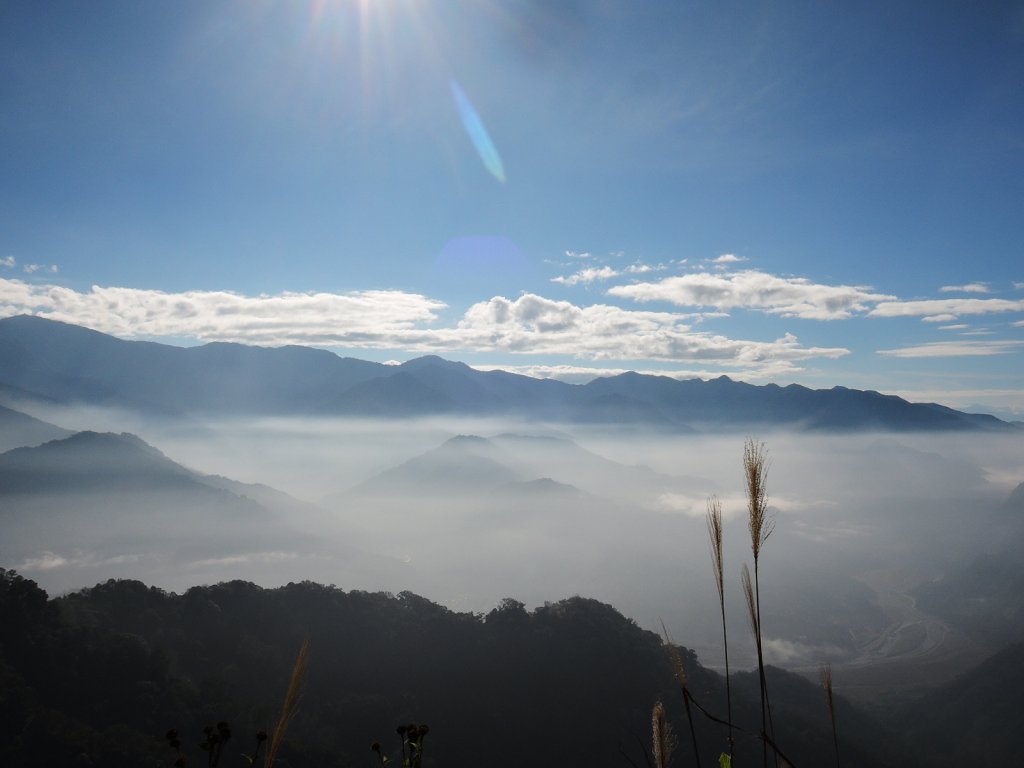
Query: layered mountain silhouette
[[56, 362], [521, 468], [18, 429], [96, 498]]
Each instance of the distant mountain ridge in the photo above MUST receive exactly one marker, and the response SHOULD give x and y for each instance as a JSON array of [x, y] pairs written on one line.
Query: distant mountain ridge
[[57, 362]]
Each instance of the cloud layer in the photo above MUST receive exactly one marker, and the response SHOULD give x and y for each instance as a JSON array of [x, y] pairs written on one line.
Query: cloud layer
[[752, 289], [956, 349], [944, 310]]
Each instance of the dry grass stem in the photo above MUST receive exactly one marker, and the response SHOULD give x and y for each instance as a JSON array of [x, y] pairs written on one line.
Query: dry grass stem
[[826, 683], [714, 522], [675, 657], [660, 736], [684, 684], [755, 470], [748, 593], [291, 703], [716, 540]]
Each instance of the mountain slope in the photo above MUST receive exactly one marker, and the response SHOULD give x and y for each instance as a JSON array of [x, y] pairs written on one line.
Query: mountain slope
[[69, 364], [974, 720], [81, 507], [463, 465], [18, 430]]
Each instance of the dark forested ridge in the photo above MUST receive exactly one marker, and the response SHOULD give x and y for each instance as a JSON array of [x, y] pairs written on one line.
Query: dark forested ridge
[[56, 362], [97, 677]]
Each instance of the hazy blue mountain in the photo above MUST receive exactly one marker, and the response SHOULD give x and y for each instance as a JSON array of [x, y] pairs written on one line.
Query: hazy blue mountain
[[1015, 503], [722, 402], [18, 430], [89, 461], [73, 508], [542, 487], [469, 466], [69, 364], [465, 464], [108, 464], [394, 394]]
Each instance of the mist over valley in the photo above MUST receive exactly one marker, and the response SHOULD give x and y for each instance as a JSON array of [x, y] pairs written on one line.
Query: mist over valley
[[467, 510]]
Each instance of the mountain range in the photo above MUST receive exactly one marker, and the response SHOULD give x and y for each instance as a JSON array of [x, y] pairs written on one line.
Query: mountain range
[[53, 362]]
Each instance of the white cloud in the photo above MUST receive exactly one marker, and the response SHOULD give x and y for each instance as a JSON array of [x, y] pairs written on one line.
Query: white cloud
[[1019, 324], [727, 258], [696, 506], [956, 349], [530, 324], [536, 325], [588, 275], [751, 289], [640, 269], [1018, 286], [578, 254], [946, 318], [591, 274], [33, 268], [8, 261], [781, 651], [956, 327], [358, 319], [969, 288], [948, 309], [250, 558], [49, 561]]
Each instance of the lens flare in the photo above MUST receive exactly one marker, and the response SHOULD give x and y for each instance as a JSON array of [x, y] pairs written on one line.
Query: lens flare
[[477, 133]]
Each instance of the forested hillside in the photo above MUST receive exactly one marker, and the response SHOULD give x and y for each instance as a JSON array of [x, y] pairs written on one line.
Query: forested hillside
[[98, 677]]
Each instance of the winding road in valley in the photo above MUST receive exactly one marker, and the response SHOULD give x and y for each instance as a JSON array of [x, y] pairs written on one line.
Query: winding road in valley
[[916, 650], [912, 634]]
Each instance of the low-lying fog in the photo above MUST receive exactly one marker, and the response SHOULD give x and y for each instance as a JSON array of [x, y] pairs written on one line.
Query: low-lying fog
[[539, 513]]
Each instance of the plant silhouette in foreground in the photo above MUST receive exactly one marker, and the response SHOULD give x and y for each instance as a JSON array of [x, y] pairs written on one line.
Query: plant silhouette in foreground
[[760, 525], [826, 683], [215, 737], [291, 702], [661, 737], [412, 736], [716, 539], [684, 686]]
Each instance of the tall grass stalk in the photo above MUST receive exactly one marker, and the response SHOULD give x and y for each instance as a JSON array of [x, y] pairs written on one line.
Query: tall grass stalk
[[291, 703], [826, 683], [714, 521], [755, 471], [660, 737]]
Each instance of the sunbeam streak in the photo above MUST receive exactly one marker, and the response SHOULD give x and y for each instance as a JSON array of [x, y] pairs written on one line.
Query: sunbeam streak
[[478, 133]]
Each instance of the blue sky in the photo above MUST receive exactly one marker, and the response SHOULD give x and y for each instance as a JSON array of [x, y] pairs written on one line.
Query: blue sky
[[778, 192]]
